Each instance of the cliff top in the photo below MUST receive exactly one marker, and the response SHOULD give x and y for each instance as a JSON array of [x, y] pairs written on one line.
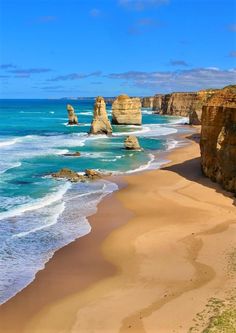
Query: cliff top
[[224, 97]]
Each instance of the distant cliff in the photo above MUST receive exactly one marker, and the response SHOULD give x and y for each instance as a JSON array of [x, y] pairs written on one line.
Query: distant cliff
[[218, 138], [147, 102], [185, 104]]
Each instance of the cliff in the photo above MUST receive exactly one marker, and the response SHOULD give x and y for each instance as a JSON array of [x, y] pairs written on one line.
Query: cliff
[[100, 124], [109, 100], [180, 104], [218, 138], [185, 104], [72, 118], [126, 111], [147, 102], [157, 105]]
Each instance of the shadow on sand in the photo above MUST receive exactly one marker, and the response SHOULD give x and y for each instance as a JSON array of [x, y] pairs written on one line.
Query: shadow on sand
[[191, 170]]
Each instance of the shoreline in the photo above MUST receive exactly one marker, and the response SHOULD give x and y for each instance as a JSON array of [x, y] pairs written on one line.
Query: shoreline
[[69, 282]]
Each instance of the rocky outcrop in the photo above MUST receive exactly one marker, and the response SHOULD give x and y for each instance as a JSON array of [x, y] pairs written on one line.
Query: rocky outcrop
[[100, 124], [89, 174], [218, 138], [92, 174], [69, 175], [131, 143], [126, 111], [76, 154], [73, 119], [147, 102]]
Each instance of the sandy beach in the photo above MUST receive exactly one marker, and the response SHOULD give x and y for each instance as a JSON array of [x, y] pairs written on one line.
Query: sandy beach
[[161, 248]]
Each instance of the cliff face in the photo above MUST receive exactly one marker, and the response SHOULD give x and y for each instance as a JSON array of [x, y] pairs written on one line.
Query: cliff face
[[195, 113], [180, 104], [218, 138], [100, 123], [157, 103], [183, 104], [147, 102], [126, 111], [176, 104]]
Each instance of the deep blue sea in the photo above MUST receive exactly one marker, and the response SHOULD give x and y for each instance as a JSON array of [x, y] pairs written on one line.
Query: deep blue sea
[[38, 214]]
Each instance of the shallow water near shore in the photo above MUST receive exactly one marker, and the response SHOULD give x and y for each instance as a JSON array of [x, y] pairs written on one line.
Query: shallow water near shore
[[38, 214]]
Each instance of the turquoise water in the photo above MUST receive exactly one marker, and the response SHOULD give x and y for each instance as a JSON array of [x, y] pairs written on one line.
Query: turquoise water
[[38, 214]]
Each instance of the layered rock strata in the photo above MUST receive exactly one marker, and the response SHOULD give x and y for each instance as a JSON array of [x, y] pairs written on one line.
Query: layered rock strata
[[147, 102], [131, 143], [126, 111], [187, 104], [100, 124], [218, 138], [73, 119]]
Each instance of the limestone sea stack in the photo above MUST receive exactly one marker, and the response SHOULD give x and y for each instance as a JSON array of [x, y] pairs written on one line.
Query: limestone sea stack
[[131, 143], [218, 138], [100, 124], [126, 111], [73, 119]]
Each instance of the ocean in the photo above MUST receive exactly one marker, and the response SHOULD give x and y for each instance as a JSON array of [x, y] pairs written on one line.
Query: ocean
[[39, 214]]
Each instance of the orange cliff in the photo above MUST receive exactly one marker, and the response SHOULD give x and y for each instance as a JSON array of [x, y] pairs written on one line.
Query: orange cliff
[[218, 138]]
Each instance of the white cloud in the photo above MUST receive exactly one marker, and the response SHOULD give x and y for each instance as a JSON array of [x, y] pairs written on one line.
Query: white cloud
[[181, 80]]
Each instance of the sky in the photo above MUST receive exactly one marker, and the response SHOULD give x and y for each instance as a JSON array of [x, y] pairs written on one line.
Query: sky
[[72, 48]]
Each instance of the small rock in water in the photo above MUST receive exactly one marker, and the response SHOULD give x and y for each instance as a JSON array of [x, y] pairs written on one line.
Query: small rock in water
[[131, 143], [77, 153], [69, 174], [92, 174], [89, 174]]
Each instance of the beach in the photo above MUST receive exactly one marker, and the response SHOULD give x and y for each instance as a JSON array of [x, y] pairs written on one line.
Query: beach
[[160, 249]]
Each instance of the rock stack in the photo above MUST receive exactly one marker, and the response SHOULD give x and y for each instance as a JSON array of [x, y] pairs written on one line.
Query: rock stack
[[100, 123], [73, 119], [218, 138], [126, 111], [131, 143]]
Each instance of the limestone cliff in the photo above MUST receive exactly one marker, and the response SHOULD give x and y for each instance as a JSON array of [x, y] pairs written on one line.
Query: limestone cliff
[[195, 112], [147, 102], [73, 120], [180, 104], [218, 138], [100, 124], [126, 111], [185, 104], [157, 105]]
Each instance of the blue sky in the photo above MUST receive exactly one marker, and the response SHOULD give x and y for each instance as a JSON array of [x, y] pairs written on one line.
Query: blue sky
[[57, 48]]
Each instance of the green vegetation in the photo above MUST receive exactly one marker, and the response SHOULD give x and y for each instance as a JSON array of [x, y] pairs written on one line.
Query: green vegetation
[[223, 323]]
